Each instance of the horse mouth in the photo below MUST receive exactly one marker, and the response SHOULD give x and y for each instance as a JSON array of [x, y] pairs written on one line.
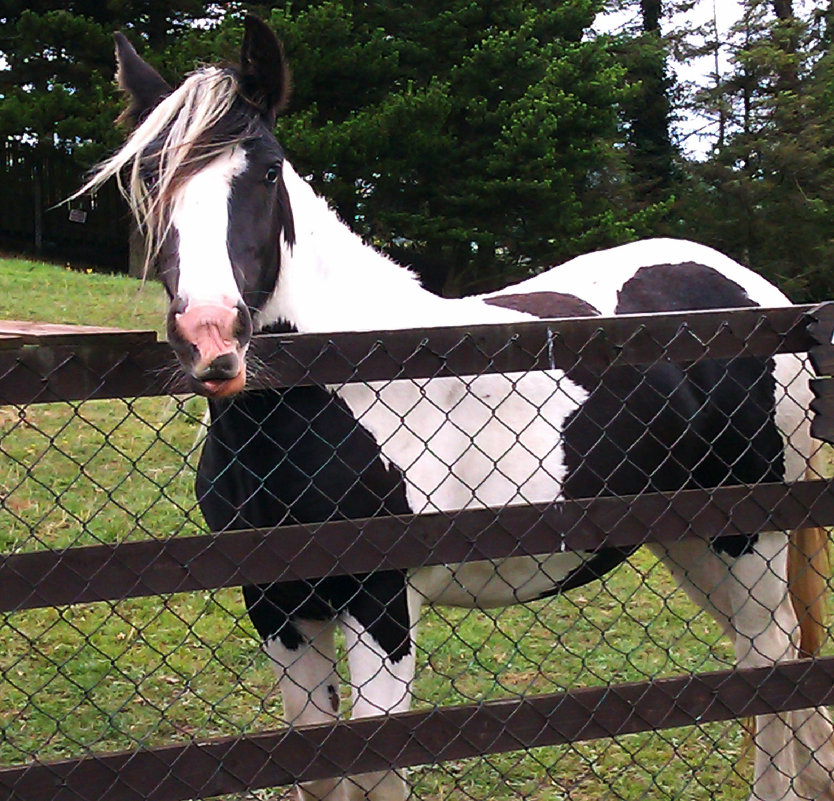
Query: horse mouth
[[220, 387]]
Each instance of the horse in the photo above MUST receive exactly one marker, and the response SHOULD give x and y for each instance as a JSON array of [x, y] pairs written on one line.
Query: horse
[[243, 244]]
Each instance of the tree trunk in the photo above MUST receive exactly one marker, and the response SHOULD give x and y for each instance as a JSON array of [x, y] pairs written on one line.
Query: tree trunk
[[653, 156], [785, 36]]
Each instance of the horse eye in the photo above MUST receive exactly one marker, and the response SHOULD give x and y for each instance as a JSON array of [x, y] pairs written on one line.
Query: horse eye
[[272, 174]]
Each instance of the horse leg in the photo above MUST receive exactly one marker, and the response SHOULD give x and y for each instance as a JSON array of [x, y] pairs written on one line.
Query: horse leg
[[813, 753], [767, 632], [813, 732], [772, 636], [745, 587], [379, 629], [304, 658]]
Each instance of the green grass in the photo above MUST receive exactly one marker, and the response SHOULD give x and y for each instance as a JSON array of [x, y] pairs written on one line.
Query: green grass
[[31, 290], [154, 670]]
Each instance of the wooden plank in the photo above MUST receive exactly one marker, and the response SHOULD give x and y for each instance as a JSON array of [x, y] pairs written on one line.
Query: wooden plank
[[594, 342], [35, 333], [10, 341], [273, 758], [286, 553], [102, 369], [106, 369]]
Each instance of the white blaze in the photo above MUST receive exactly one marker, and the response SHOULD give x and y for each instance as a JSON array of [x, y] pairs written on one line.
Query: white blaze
[[200, 217]]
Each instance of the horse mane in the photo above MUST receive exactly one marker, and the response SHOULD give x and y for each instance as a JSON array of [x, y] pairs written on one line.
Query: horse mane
[[188, 128]]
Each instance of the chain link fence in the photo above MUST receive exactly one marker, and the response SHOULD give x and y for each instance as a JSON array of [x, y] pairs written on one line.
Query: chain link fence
[[131, 670]]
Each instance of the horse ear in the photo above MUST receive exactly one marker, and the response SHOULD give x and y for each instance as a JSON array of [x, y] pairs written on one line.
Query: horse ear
[[265, 76], [139, 79]]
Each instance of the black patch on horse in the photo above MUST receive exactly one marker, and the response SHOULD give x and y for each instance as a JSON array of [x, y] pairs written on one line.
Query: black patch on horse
[[545, 304], [298, 456], [727, 406], [687, 286]]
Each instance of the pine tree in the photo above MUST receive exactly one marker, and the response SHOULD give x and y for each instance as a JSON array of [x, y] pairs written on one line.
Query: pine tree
[[652, 155], [57, 89], [475, 142], [764, 195]]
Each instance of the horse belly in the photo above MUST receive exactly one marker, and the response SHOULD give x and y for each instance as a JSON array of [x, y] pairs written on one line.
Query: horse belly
[[465, 443], [495, 583]]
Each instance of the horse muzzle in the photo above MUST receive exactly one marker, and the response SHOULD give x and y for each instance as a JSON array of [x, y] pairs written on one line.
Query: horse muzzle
[[210, 339]]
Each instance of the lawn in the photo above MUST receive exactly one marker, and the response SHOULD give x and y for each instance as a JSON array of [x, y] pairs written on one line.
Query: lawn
[[153, 670]]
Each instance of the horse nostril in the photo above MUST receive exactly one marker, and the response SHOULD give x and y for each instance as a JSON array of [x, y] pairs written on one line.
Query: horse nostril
[[177, 307], [223, 368], [243, 325]]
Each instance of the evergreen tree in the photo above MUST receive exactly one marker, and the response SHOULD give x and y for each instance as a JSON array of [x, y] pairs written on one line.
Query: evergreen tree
[[57, 89], [476, 142], [765, 195], [473, 141], [652, 155]]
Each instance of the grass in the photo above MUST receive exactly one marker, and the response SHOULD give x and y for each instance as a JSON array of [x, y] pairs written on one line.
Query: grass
[[32, 290], [153, 670]]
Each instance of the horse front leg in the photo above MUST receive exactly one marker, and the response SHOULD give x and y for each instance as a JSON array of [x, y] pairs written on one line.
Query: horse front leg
[[379, 629], [303, 655]]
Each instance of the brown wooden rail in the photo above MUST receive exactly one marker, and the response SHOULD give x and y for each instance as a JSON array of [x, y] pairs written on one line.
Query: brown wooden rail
[[236, 764], [182, 564], [133, 365]]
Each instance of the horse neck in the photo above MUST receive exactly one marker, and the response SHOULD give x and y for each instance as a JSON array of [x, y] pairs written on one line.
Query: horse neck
[[330, 280]]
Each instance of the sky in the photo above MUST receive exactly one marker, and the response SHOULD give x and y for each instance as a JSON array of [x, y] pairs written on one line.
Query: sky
[[696, 133]]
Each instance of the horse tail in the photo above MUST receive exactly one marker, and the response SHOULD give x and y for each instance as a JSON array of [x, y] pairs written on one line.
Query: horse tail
[[808, 572]]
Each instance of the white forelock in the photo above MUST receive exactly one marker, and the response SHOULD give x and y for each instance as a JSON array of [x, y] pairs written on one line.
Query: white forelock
[[179, 120]]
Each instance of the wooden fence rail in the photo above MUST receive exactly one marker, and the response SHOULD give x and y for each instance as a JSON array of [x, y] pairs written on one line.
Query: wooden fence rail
[[267, 759], [49, 366], [58, 365], [287, 553]]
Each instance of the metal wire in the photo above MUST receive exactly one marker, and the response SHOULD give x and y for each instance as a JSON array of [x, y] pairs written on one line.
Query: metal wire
[[169, 657]]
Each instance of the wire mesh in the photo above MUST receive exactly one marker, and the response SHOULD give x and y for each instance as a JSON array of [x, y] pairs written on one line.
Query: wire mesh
[[181, 669]]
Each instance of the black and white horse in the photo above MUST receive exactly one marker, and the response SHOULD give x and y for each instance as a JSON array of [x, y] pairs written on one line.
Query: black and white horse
[[242, 243]]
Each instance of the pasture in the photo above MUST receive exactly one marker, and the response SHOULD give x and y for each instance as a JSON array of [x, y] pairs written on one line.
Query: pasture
[[116, 675]]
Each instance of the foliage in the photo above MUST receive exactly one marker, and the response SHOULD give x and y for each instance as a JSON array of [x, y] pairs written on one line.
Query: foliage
[[481, 142], [648, 109], [765, 193], [57, 90]]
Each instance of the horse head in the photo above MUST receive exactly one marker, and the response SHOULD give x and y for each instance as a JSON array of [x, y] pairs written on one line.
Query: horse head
[[204, 176]]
